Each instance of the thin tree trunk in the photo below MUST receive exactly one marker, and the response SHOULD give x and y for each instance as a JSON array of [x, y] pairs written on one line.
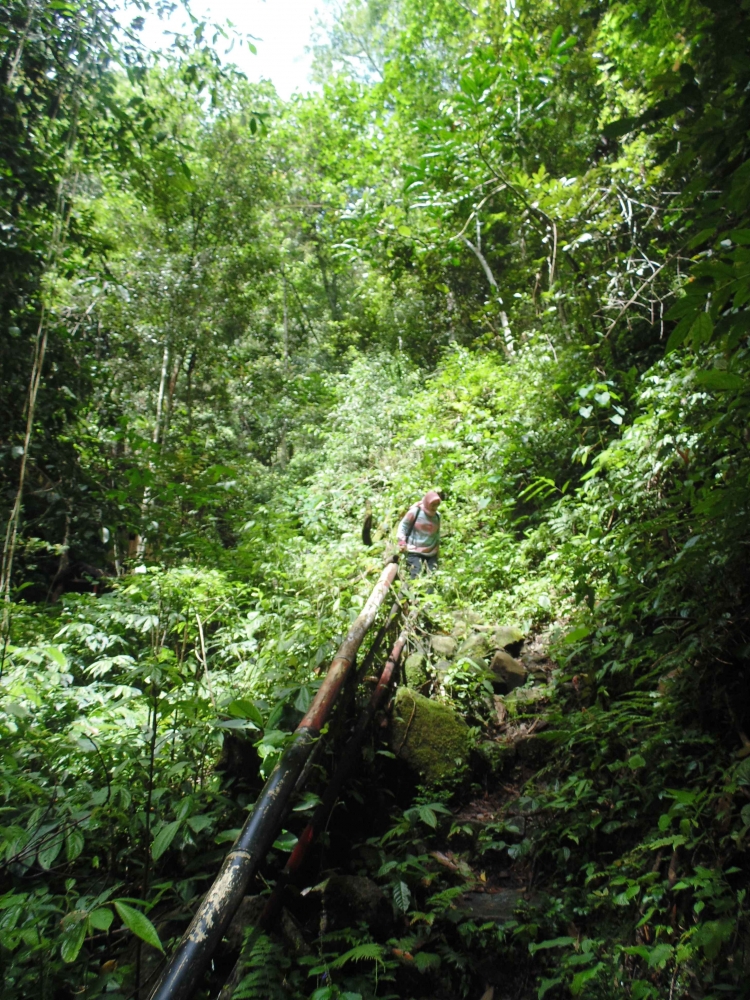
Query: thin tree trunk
[[56, 243], [147, 845], [171, 389], [190, 370], [16, 60], [14, 521], [160, 396], [63, 565], [477, 251], [286, 324], [146, 502]]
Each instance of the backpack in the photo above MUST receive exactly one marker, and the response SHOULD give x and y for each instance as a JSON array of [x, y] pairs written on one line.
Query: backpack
[[407, 536]]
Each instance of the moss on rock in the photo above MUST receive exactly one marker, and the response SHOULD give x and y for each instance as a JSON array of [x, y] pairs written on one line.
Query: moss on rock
[[428, 736], [476, 646], [416, 672]]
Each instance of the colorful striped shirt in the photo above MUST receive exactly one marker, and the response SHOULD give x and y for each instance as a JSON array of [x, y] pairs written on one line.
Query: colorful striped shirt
[[420, 531]]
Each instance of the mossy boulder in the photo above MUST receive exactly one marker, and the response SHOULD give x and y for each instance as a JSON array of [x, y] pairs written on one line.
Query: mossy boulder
[[415, 670], [441, 669], [475, 646], [506, 672], [444, 646], [430, 737], [464, 620], [505, 636]]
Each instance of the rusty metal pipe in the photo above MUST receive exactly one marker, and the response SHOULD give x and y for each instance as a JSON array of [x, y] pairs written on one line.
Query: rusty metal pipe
[[182, 976]]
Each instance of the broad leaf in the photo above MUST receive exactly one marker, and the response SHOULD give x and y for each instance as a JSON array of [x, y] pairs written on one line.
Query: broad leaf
[[139, 924], [164, 838]]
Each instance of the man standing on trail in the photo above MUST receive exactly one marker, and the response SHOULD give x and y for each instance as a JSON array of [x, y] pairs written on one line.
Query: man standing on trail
[[419, 534]]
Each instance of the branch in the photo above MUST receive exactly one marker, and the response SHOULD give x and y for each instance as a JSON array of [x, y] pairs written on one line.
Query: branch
[[507, 336], [476, 210], [638, 291]]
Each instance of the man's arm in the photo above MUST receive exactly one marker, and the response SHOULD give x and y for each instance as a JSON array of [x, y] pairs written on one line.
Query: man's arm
[[407, 526]]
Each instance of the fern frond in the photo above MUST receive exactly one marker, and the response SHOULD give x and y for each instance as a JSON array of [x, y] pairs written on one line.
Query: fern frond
[[371, 952]]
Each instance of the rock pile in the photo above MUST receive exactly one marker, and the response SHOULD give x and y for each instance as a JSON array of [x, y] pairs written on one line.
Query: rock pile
[[428, 735], [489, 648]]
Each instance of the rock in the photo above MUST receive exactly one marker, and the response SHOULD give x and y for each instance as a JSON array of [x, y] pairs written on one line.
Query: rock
[[525, 697], [476, 646], [464, 621], [499, 907], [431, 738], [532, 751], [506, 671], [247, 915], [444, 646], [497, 756], [415, 670], [441, 668], [505, 636], [352, 899]]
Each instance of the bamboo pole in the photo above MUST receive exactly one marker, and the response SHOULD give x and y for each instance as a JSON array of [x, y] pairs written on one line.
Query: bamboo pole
[[349, 758], [183, 973]]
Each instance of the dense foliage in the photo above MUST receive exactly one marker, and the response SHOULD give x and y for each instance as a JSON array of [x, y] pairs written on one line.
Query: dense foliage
[[502, 252]]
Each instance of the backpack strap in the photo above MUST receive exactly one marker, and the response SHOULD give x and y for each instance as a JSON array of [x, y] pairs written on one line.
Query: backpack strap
[[417, 509]]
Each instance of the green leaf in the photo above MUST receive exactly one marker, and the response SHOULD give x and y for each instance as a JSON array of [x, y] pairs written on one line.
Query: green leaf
[[56, 655], [198, 823], [369, 951], [164, 838], [578, 633], [711, 935], [636, 761], [625, 897], [424, 960], [51, 849], [545, 985], [560, 942], [101, 919], [701, 329], [227, 836], [678, 335], [304, 699], [427, 816], [741, 236], [285, 841], [139, 924], [556, 38], [74, 934], [745, 814], [720, 380], [660, 955], [580, 980], [701, 237], [640, 950], [73, 843], [688, 305], [676, 840], [243, 708], [401, 896]]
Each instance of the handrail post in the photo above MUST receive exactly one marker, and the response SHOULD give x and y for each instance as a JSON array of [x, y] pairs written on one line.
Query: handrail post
[[349, 759], [185, 969]]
